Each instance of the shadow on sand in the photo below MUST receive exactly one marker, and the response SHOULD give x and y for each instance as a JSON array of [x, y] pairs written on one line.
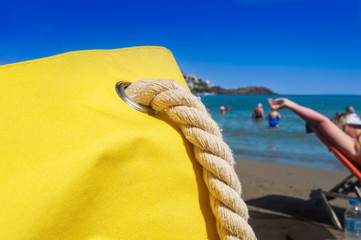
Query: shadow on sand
[[290, 218]]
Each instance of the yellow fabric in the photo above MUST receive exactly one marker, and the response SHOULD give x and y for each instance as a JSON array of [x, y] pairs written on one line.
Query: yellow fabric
[[79, 163]]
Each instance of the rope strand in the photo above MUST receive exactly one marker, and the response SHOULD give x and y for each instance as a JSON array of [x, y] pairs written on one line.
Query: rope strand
[[209, 148]]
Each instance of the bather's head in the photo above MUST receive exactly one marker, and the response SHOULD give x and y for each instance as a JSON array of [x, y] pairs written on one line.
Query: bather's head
[[353, 125]]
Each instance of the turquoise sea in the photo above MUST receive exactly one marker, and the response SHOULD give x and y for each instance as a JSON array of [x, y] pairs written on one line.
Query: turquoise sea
[[287, 144]]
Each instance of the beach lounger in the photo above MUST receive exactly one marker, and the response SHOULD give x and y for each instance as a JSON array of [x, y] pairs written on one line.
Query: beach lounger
[[350, 185]]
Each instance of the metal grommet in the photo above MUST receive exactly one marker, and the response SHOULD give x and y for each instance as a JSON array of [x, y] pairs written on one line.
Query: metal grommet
[[120, 87]]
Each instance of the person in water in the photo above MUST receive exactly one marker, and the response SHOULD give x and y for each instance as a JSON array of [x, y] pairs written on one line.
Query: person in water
[[258, 112], [221, 110], [348, 141], [273, 118]]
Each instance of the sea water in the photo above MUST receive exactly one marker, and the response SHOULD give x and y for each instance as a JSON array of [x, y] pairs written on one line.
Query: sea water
[[289, 143]]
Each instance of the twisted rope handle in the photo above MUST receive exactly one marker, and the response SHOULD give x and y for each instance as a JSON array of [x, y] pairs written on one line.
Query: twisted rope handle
[[210, 150]]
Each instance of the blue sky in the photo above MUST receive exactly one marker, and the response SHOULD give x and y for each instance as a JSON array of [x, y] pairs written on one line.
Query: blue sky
[[291, 47]]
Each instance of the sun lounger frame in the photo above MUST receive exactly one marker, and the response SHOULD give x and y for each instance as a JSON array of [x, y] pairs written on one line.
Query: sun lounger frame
[[351, 184]]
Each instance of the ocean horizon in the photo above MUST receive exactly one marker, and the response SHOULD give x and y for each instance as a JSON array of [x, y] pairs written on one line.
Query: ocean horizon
[[289, 144]]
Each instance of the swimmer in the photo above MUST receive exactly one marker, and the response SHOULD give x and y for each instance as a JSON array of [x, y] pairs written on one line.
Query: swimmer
[[258, 112], [221, 108], [273, 118]]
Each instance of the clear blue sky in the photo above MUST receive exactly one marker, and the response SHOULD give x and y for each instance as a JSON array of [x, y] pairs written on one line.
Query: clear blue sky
[[290, 46]]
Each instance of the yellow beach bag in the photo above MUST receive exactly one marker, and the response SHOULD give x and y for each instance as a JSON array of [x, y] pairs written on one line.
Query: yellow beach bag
[[78, 163]]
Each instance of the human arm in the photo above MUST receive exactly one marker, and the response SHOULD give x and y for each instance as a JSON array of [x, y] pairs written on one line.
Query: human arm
[[323, 125]]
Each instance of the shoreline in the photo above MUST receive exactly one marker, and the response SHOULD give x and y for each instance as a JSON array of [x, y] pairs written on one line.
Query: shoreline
[[282, 202], [333, 166]]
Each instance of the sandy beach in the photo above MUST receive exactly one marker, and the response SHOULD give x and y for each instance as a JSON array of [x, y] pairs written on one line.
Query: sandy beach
[[282, 201]]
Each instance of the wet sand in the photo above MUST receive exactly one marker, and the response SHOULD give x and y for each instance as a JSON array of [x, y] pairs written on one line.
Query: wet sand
[[283, 202]]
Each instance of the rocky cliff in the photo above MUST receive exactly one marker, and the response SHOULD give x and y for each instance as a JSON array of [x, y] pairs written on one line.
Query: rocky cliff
[[245, 91]]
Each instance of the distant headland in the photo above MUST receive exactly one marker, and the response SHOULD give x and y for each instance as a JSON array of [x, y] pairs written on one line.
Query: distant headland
[[198, 86]]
